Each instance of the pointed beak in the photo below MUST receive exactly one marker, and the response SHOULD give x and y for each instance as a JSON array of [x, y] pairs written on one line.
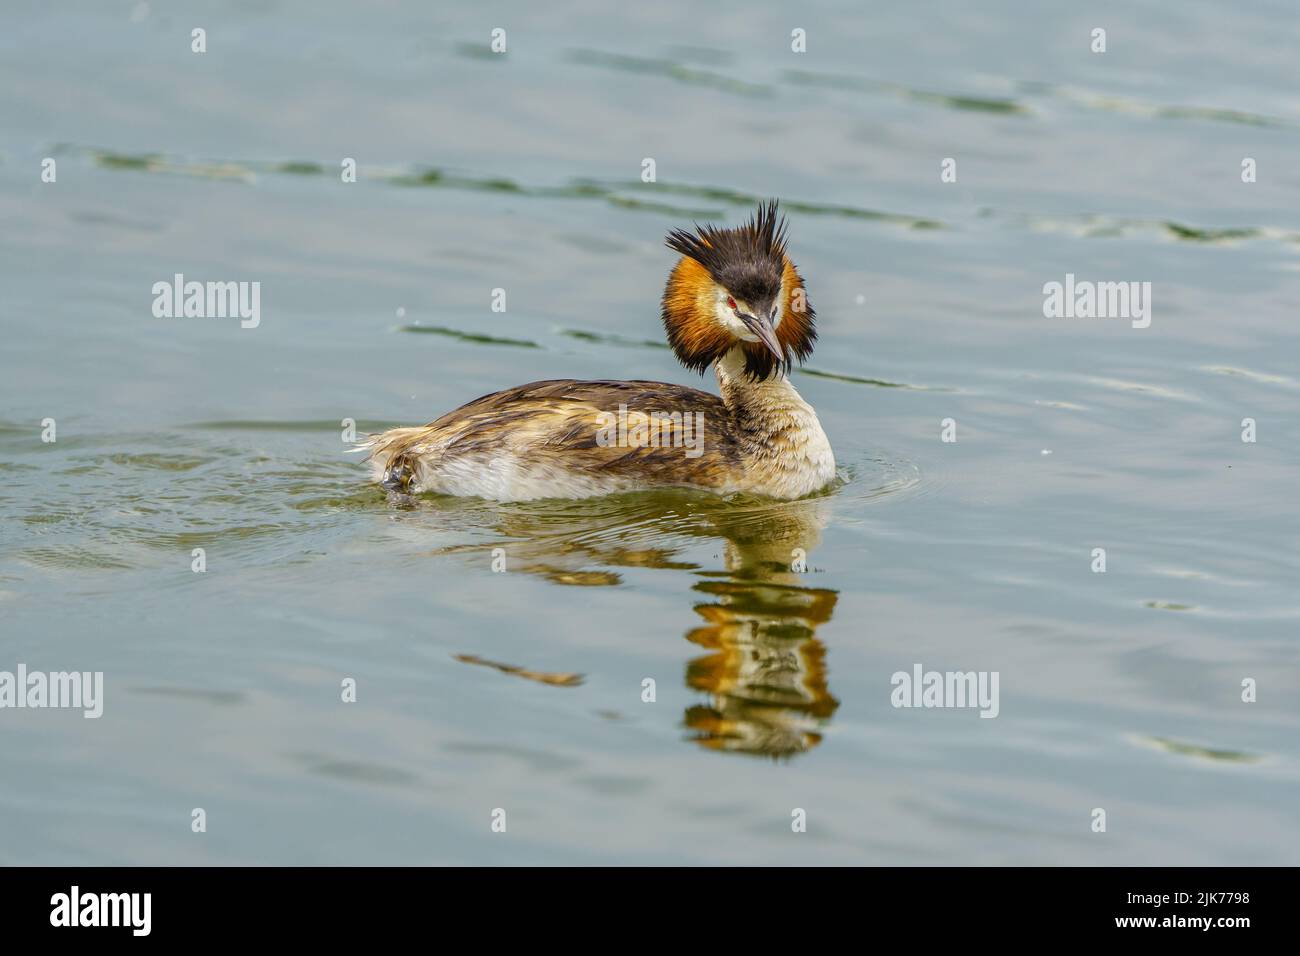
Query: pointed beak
[[766, 334]]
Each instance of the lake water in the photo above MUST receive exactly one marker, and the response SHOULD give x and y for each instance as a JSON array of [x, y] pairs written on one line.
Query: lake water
[[522, 691]]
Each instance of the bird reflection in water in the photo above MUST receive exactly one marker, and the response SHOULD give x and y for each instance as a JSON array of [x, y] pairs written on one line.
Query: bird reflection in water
[[764, 668], [765, 672]]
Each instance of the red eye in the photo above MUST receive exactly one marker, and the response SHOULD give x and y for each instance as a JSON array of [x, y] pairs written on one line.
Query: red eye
[[731, 303]]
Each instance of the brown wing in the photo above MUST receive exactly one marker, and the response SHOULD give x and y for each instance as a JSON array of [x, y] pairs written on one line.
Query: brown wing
[[653, 431]]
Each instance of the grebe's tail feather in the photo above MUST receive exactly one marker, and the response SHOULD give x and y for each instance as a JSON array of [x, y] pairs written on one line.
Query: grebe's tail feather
[[389, 463]]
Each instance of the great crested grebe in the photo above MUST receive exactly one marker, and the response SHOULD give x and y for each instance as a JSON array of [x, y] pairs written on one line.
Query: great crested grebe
[[734, 301]]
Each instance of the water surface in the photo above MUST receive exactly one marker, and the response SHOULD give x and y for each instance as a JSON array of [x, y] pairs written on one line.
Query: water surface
[[523, 690]]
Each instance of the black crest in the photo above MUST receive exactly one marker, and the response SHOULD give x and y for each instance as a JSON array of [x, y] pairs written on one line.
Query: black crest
[[747, 261]]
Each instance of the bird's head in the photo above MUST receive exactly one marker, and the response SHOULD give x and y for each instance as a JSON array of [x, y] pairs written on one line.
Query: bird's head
[[738, 288]]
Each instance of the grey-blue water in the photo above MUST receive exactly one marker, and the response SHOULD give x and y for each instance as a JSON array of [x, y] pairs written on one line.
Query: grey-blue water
[[523, 690]]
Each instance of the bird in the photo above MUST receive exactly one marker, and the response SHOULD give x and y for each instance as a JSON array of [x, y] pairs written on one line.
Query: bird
[[734, 301]]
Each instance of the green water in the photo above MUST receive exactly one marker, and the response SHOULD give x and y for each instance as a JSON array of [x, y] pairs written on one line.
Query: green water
[[522, 690]]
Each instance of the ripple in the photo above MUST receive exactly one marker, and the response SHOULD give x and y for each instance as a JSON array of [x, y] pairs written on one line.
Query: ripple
[[156, 163], [73, 558], [220, 697], [277, 425], [669, 69], [478, 338], [480, 51], [877, 382], [1262, 378], [1195, 751], [625, 194], [1144, 388], [1169, 606], [872, 478], [299, 168], [844, 81], [1132, 106], [1096, 226], [609, 338], [157, 462], [356, 771], [551, 678]]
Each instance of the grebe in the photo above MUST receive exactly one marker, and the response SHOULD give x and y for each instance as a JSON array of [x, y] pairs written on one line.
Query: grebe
[[734, 301]]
